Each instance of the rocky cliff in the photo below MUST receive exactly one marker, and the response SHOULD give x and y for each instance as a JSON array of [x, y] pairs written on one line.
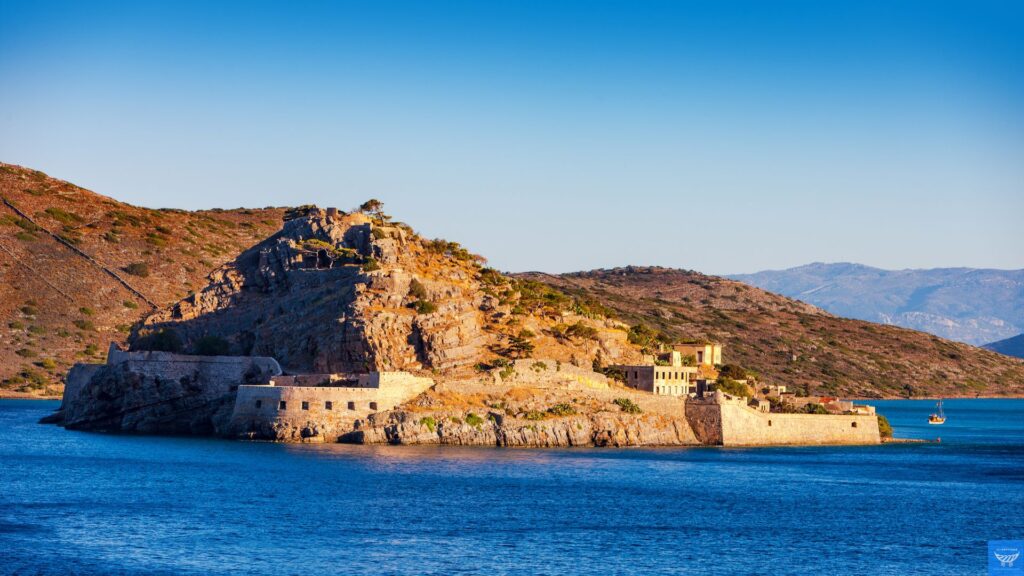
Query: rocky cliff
[[337, 292]]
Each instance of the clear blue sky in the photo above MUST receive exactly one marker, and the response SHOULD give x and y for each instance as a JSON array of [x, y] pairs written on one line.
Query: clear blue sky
[[719, 136]]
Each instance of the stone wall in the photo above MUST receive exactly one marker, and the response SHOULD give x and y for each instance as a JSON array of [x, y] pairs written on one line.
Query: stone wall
[[730, 422], [159, 392], [318, 413]]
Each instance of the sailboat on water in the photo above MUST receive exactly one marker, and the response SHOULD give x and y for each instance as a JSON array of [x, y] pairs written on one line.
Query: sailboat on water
[[939, 417]]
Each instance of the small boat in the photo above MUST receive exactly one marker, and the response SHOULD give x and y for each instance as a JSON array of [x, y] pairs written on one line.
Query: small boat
[[939, 417]]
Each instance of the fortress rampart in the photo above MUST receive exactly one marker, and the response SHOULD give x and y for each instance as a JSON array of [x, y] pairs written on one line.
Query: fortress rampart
[[726, 421], [294, 412]]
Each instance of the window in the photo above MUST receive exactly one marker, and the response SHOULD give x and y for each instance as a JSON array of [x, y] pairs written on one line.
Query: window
[[769, 422], [853, 424], [305, 405], [259, 403], [636, 374], [373, 405], [282, 405], [328, 405], [351, 405]]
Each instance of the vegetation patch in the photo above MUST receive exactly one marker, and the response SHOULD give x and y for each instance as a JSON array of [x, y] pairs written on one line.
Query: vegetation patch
[[628, 406]]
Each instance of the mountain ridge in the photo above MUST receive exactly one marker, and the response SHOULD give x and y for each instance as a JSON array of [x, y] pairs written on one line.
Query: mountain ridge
[[972, 305]]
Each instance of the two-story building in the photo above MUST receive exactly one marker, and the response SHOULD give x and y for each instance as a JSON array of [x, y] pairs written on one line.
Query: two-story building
[[668, 379]]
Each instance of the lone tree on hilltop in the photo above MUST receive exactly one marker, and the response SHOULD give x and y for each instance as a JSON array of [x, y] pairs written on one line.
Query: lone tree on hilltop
[[372, 207]]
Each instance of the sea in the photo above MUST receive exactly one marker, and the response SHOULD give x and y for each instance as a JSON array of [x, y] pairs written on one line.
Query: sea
[[90, 503]]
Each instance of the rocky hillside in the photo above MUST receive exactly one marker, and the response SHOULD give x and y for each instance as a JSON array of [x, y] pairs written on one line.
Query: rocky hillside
[[1011, 346], [77, 269], [791, 342], [965, 304], [351, 292]]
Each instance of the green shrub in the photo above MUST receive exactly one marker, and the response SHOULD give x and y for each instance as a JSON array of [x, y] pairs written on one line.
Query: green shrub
[[66, 218], [424, 307], [733, 371], [15, 325], [36, 329], [562, 409], [884, 428], [813, 408], [25, 353], [84, 325], [370, 264], [47, 363], [417, 290], [730, 386], [140, 269], [474, 420], [429, 422], [29, 310], [628, 406], [211, 346], [534, 415], [92, 350], [163, 340], [86, 310], [507, 372], [581, 330], [129, 305], [378, 233]]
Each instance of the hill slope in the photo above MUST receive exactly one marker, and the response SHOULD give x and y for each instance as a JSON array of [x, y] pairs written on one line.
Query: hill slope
[[975, 306], [794, 343], [57, 306], [1011, 346]]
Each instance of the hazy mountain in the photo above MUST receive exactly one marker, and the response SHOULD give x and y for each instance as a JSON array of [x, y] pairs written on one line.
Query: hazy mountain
[[1011, 346], [971, 305]]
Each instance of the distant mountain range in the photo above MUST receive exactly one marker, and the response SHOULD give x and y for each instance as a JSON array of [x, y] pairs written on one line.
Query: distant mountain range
[[976, 306], [1011, 346]]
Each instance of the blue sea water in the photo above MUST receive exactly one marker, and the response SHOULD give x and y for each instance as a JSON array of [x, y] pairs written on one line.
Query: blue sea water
[[85, 503]]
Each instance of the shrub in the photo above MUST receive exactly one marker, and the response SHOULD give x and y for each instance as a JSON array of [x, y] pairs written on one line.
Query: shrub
[[884, 428], [29, 310], [429, 422], [474, 420], [47, 363], [534, 415], [15, 325], [424, 307], [86, 310], [813, 408], [36, 329], [733, 371], [211, 346], [628, 406], [163, 340], [66, 218], [84, 325], [562, 409], [417, 290], [370, 264], [730, 386], [92, 350], [581, 330], [25, 353], [140, 269], [129, 305], [507, 372], [378, 233]]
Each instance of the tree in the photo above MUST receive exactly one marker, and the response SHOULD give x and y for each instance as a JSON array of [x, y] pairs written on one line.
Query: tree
[[373, 207]]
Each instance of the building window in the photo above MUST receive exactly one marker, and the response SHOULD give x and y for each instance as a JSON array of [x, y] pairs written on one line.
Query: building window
[[305, 405], [853, 424], [328, 405], [769, 422], [351, 405], [259, 403], [373, 405], [282, 405], [636, 374]]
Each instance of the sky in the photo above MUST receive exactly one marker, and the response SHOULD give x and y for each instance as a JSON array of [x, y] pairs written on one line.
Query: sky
[[719, 136]]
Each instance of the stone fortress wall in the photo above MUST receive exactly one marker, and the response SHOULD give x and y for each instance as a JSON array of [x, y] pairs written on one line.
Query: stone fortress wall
[[727, 421], [319, 406]]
